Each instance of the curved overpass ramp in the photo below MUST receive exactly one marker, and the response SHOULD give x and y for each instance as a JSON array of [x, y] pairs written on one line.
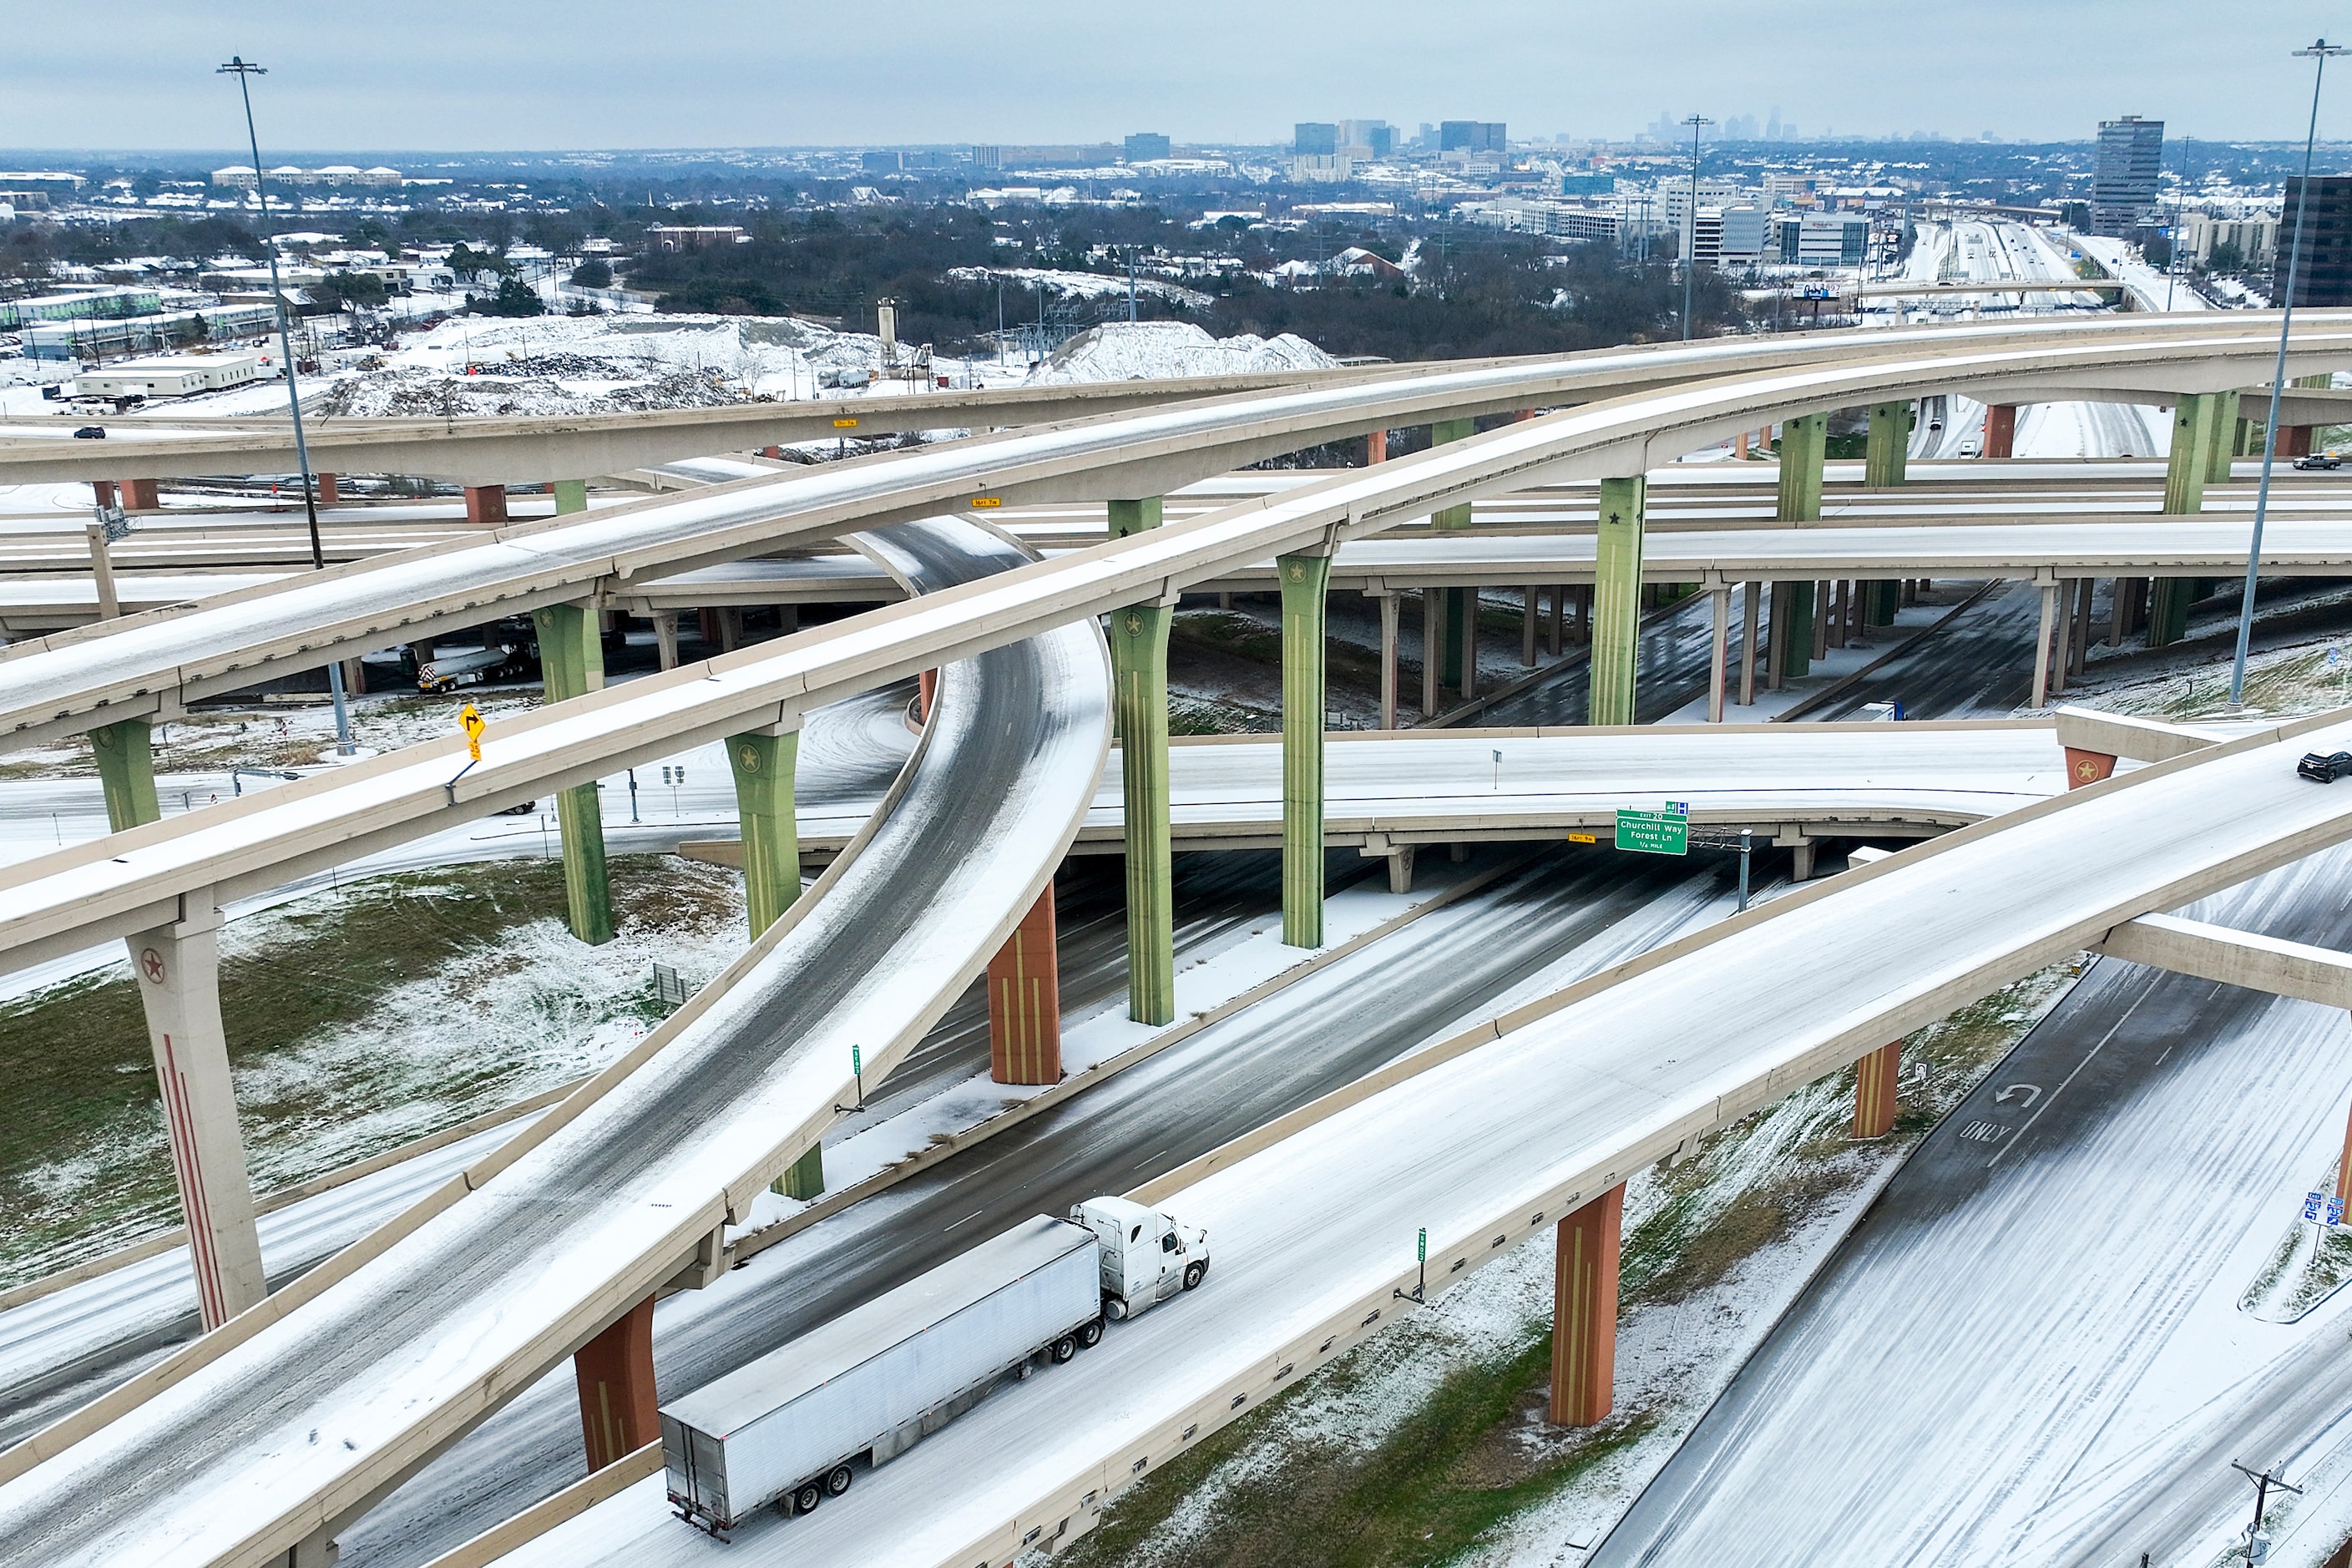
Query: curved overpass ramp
[[331, 1392]]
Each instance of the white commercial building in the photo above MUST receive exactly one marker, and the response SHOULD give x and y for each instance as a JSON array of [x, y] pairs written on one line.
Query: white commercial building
[[174, 376]]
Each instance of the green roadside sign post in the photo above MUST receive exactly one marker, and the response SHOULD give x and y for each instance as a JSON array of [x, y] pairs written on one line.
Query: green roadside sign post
[[1663, 832]]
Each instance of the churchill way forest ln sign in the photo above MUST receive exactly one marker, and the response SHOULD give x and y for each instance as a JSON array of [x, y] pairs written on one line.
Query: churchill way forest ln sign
[[1663, 832]]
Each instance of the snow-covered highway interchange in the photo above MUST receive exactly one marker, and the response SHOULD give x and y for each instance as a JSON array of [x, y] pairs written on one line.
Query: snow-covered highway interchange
[[286, 1423]]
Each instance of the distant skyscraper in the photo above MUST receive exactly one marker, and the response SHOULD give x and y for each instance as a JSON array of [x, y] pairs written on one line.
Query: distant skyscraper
[[1146, 145], [1311, 139], [1373, 135], [2122, 182], [1470, 136], [2323, 258]]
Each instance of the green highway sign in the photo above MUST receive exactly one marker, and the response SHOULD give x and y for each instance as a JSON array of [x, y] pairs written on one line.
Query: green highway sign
[[1663, 832]]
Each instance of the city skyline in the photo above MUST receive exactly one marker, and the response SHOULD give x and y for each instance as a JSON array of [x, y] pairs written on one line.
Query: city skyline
[[442, 78]]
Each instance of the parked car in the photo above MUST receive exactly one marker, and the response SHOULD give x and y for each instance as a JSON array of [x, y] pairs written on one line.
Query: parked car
[[2325, 768], [2319, 460]]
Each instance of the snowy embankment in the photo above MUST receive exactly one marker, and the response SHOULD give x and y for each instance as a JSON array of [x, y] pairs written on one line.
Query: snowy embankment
[[487, 367]]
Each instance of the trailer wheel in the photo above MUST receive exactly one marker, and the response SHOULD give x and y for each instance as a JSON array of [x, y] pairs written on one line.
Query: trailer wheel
[[805, 1499], [838, 1481], [1064, 1347], [1090, 1334], [1193, 1272]]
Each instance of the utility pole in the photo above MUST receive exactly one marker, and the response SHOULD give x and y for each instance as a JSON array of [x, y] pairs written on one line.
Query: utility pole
[[244, 71], [1690, 222], [2180, 203], [2258, 1545], [2318, 54]]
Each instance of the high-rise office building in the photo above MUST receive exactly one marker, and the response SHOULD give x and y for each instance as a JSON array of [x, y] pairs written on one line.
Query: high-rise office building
[[1376, 137], [1470, 136], [2123, 181], [1314, 139], [1146, 145], [2323, 254]]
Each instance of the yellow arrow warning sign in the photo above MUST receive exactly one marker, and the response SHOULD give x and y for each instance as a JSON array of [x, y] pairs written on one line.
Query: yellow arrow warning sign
[[470, 720]]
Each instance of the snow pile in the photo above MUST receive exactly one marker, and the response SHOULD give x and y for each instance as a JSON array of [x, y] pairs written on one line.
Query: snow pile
[[412, 394], [1152, 350], [1078, 285]]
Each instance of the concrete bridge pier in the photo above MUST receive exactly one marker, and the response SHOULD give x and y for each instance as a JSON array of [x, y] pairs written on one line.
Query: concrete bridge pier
[[327, 490], [1304, 579], [2196, 425], [572, 662], [485, 505], [1719, 650], [1457, 659], [1391, 606], [1585, 1312], [1024, 1001], [1616, 602], [1888, 445], [1139, 660], [764, 763], [614, 1372], [125, 754], [1999, 431], [666, 637], [177, 967], [1751, 604], [1874, 1102]]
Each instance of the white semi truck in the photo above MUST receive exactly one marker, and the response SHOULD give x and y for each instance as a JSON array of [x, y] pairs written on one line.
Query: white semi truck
[[791, 1428]]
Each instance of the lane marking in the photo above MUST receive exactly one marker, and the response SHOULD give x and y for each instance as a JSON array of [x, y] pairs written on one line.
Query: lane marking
[[966, 1220]]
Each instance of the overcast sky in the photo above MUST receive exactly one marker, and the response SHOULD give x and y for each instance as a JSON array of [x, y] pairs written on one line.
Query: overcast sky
[[485, 75]]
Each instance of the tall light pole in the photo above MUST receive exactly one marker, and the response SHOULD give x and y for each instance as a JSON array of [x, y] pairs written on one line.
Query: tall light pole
[[2318, 54], [245, 71], [1690, 224]]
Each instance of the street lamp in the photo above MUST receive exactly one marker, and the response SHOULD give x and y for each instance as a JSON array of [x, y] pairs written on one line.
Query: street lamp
[[244, 70], [2318, 54], [1690, 224]]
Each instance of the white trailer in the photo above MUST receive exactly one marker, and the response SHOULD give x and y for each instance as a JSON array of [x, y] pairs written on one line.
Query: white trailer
[[790, 1427]]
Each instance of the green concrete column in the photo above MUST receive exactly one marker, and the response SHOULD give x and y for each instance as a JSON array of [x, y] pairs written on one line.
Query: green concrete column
[[2221, 440], [571, 495], [1304, 579], [571, 663], [2196, 425], [2192, 443], [764, 766], [1804, 444], [1133, 516], [126, 768], [1461, 640], [1889, 444], [805, 1180], [1880, 600], [1616, 602], [1139, 664], [1792, 603]]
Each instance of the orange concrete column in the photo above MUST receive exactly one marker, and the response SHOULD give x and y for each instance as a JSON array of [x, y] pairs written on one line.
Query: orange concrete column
[[137, 495], [327, 493], [926, 690], [1585, 1312], [2000, 430], [2293, 441], [1024, 1001], [2087, 767], [102, 491], [1376, 447], [777, 452], [615, 1373], [1523, 415], [485, 505], [1874, 1090]]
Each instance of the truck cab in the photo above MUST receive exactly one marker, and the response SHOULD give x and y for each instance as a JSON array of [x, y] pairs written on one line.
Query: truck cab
[[1146, 1256]]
